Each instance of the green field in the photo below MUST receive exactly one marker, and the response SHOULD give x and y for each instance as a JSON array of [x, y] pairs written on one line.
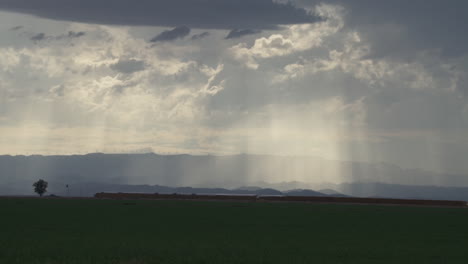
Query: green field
[[110, 231]]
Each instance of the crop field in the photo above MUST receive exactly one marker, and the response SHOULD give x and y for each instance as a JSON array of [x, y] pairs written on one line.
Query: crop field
[[62, 231]]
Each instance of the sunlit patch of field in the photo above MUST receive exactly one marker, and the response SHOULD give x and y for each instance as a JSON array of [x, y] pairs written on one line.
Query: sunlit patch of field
[[110, 231]]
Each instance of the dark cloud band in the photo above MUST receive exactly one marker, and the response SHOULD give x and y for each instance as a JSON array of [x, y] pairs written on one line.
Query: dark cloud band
[[209, 14]]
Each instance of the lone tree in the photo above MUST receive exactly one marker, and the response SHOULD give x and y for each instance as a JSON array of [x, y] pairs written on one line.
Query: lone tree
[[40, 187]]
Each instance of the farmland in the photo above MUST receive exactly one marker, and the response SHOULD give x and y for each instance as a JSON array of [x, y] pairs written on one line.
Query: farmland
[[77, 231]]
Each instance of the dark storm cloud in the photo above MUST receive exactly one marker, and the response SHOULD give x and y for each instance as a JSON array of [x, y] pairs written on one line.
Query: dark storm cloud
[[399, 28], [200, 36], [128, 66], [173, 34], [238, 33], [210, 14], [429, 24]]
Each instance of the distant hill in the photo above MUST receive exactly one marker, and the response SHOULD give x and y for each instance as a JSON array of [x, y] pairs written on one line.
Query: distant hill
[[332, 193], [248, 188], [303, 193], [403, 191]]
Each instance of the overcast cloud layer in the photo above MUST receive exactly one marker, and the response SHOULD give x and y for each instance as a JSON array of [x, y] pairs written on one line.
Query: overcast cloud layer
[[209, 14], [367, 82]]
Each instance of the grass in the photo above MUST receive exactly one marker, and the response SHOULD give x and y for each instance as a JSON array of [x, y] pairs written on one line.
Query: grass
[[60, 231]]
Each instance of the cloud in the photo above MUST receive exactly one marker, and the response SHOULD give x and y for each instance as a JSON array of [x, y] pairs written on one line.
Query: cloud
[[166, 86], [200, 36], [128, 66], [401, 29], [70, 35], [294, 39], [38, 37], [173, 34], [209, 14], [321, 89], [16, 28], [238, 33], [73, 34], [426, 24]]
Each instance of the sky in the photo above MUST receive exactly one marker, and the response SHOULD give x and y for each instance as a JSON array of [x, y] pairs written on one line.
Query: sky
[[363, 80]]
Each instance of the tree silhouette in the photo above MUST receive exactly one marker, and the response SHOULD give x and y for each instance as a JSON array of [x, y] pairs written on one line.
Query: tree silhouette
[[40, 187]]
